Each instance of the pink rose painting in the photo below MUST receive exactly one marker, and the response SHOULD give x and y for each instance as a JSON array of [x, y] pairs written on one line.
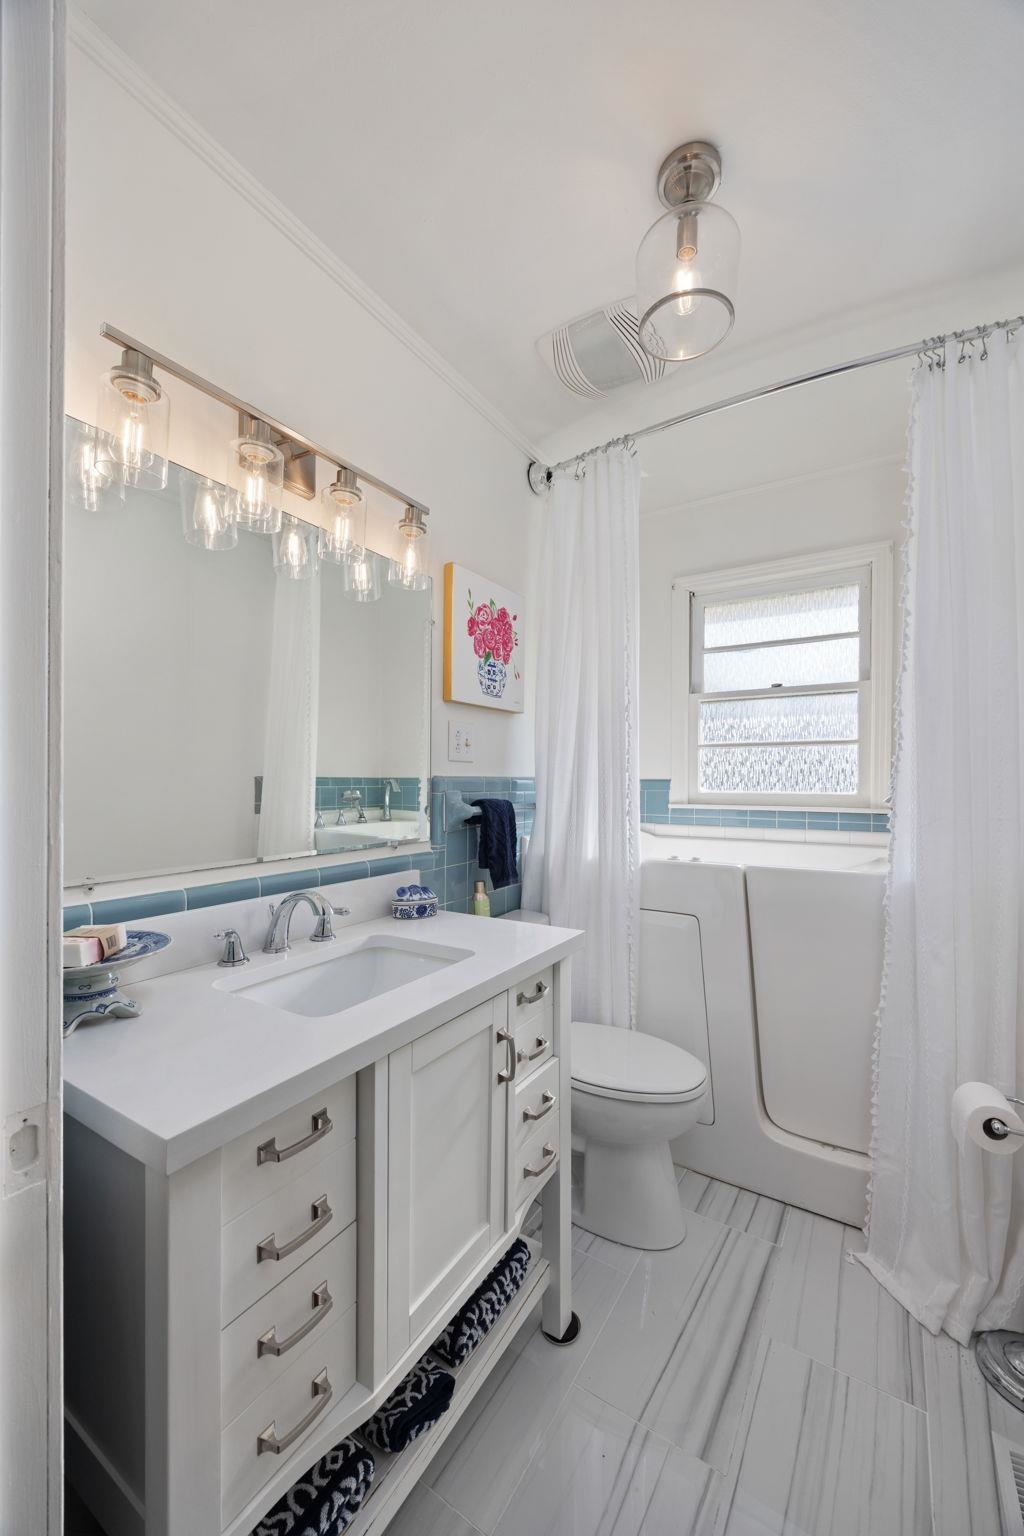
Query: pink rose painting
[[483, 652]]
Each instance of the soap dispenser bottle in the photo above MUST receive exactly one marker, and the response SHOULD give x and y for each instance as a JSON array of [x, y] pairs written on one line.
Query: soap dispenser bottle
[[481, 900]]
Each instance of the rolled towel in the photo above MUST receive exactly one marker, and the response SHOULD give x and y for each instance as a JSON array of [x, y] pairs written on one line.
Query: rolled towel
[[417, 1402], [326, 1499], [478, 1315]]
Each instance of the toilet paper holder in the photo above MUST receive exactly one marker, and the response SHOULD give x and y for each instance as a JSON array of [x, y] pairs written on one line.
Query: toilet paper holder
[[998, 1130]]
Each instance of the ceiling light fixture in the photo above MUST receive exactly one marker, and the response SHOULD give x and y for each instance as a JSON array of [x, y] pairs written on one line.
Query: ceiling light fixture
[[256, 476], [407, 571], [687, 264], [134, 413], [341, 501]]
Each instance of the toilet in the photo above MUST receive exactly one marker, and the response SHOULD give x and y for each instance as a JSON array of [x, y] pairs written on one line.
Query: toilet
[[632, 1094]]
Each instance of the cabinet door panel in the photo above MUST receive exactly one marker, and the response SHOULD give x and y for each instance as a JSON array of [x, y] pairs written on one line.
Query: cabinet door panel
[[446, 1165]]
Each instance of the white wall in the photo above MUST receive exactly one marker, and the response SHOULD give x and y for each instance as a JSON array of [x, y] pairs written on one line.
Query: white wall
[[854, 505], [163, 246]]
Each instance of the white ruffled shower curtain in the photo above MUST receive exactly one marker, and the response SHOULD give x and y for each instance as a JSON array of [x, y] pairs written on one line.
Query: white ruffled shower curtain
[[945, 1230], [288, 801], [583, 866]]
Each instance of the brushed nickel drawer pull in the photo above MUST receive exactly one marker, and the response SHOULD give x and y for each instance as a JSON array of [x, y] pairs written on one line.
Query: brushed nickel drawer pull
[[538, 1050], [548, 1101], [508, 1075], [269, 1344], [269, 1440], [269, 1152], [545, 1163], [539, 993], [321, 1213]]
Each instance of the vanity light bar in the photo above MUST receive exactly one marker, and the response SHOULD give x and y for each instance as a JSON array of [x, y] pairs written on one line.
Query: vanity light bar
[[300, 444]]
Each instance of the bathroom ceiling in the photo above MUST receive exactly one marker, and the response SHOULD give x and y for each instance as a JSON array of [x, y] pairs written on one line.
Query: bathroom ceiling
[[489, 168]]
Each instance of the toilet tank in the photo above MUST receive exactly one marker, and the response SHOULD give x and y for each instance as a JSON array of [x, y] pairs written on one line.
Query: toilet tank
[[670, 999]]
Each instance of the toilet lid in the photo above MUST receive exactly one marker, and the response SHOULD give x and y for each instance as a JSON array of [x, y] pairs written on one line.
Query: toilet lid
[[629, 1063]]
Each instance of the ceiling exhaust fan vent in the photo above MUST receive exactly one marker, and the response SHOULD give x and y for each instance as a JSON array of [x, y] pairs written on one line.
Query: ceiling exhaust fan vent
[[600, 352]]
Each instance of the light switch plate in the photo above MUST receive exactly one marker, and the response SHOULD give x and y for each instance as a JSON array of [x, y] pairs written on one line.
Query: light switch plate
[[460, 743]]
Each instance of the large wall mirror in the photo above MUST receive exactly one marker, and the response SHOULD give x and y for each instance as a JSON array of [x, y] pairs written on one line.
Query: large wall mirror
[[224, 705]]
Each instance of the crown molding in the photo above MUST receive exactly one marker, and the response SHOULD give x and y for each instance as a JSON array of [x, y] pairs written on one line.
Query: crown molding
[[96, 45]]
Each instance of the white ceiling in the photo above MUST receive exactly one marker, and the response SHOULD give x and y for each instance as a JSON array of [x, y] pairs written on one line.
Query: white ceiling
[[488, 167]]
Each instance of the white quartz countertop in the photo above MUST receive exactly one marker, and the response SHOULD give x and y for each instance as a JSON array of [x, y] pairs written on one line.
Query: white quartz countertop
[[203, 1064]]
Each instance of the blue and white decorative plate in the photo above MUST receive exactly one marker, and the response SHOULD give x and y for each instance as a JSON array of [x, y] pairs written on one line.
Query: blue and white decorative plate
[[413, 901], [140, 944]]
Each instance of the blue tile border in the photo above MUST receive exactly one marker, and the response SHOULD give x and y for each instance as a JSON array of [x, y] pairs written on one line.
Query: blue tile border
[[655, 809]]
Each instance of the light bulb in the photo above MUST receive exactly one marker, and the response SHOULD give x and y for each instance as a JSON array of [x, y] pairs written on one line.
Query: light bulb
[[133, 416], [407, 571], [257, 477], [341, 500]]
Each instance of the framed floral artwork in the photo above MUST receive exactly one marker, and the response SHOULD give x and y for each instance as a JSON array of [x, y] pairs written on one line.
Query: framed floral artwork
[[483, 641]]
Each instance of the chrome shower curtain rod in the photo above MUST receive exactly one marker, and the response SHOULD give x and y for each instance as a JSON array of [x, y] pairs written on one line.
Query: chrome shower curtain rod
[[540, 474]]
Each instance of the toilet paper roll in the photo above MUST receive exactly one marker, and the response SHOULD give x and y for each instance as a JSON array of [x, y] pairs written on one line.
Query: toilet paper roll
[[974, 1104]]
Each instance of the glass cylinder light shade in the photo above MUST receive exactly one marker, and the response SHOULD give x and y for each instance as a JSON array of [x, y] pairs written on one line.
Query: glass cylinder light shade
[[205, 519], [342, 502], [296, 549], [134, 415], [94, 478], [256, 477], [360, 576], [686, 271], [407, 571]]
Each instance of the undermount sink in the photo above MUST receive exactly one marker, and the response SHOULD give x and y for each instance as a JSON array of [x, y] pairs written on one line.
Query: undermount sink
[[318, 987]]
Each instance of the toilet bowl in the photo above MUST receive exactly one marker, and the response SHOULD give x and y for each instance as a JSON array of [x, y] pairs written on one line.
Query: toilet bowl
[[632, 1094]]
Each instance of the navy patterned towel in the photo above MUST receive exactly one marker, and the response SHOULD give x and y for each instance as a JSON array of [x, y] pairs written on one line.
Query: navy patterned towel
[[326, 1499], [416, 1403], [498, 841], [480, 1313]]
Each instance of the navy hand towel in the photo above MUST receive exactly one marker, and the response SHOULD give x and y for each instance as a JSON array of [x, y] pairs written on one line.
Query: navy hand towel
[[498, 841], [325, 1500], [416, 1403], [477, 1317]]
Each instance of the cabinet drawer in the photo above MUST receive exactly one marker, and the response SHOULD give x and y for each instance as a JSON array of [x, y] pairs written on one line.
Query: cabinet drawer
[[534, 1035], [266, 1159], [293, 1223], [535, 1161], [536, 1102], [258, 1347], [529, 997], [306, 1395]]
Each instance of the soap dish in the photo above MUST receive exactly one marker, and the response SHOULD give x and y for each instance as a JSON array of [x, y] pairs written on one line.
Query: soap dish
[[413, 901], [93, 991]]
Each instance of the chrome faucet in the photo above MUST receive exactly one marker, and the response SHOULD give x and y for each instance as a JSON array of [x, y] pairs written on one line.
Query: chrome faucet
[[276, 942], [354, 798], [389, 785]]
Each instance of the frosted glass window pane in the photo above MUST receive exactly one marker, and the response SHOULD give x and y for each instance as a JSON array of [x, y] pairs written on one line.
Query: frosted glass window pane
[[783, 616], [797, 717], [798, 770], [819, 661]]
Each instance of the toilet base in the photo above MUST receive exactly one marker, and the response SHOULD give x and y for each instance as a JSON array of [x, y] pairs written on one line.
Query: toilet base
[[630, 1195]]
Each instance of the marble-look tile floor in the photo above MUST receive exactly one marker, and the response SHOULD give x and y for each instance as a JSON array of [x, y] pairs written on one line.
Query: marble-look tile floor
[[754, 1381]]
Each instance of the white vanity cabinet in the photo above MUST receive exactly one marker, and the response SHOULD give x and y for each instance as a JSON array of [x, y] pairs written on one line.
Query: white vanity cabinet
[[230, 1321]]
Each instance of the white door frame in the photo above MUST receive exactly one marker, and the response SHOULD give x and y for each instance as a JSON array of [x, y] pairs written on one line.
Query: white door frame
[[32, 36]]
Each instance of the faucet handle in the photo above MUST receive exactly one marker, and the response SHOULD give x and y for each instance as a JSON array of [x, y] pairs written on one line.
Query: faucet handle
[[234, 953], [340, 911]]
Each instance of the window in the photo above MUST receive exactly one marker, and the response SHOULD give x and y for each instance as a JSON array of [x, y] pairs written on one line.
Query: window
[[783, 685]]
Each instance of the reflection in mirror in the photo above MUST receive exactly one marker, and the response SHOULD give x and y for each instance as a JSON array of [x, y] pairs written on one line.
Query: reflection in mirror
[[225, 697]]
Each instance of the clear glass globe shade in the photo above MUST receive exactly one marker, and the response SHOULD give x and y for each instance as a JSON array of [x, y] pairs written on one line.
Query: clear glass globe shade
[[686, 274]]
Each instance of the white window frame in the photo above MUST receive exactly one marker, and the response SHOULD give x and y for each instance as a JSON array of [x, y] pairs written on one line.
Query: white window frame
[[869, 564]]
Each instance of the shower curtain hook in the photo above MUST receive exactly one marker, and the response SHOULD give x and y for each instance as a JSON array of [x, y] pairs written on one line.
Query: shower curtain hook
[[984, 345], [581, 468]]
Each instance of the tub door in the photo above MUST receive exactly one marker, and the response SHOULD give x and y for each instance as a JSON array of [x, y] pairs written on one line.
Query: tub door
[[671, 1001]]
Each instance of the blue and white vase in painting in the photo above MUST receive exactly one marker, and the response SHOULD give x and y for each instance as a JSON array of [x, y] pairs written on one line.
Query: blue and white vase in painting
[[492, 675]]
